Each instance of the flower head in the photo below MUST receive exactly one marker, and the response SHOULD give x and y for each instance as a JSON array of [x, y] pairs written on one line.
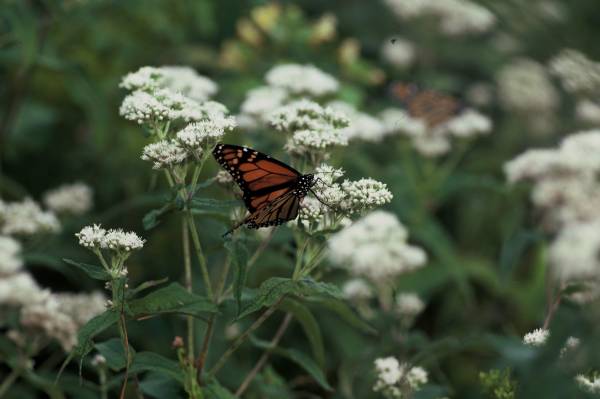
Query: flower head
[[394, 378], [119, 240], [398, 52], [302, 79], [195, 137], [360, 125], [164, 154], [364, 193], [73, 198], [537, 337], [357, 289], [27, 218], [10, 259], [409, 304], [91, 236]]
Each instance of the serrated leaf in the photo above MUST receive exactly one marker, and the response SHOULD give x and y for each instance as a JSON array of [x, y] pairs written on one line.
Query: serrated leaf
[[150, 361], [300, 359], [171, 299], [94, 271], [113, 352], [239, 257], [310, 326], [274, 288], [92, 328], [344, 311]]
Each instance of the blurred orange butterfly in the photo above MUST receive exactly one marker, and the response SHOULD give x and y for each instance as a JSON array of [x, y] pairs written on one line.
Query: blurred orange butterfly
[[272, 191], [431, 106]]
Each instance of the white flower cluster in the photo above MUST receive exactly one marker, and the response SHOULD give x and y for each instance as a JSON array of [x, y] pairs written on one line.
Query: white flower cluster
[[434, 141], [357, 289], [375, 247], [197, 136], [312, 127], [165, 94], [95, 237], [588, 112], [302, 79], [165, 154], [76, 199], [60, 316], [10, 256], [26, 218], [456, 17], [537, 337], [590, 384], [285, 84], [409, 304], [578, 74], [398, 381], [567, 190], [398, 52], [524, 86], [361, 125], [20, 289]]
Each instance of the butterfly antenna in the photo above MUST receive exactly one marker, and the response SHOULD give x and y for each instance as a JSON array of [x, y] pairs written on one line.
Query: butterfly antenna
[[321, 201], [234, 228]]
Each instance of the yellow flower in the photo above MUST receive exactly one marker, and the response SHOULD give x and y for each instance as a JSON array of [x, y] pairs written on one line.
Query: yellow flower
[[266, 16], [324, 29], [248, 32]]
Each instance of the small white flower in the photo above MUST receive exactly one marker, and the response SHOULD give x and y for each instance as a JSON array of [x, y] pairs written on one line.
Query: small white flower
[[188, 82], [146, 78], [365, 193], [195, 137], [98, 360], [302, 79], [361, 126], [91, 236], [27, 218], [262, 100], [311, 211], [571, 344], [142, 107], [409, 304], [398, 52], [223, 177], [73, 198], [10, 256], [388, 370], [306, 115], [577, 72], [119, 240], [357, 289], [537, 337], [164, 154], [468, 123]]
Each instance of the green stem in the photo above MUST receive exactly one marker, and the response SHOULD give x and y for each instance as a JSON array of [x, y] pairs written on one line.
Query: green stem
[[187, 263], [242, 338], [299, 257], [201, 362], [8, 381], [103, 387], [200, 255]]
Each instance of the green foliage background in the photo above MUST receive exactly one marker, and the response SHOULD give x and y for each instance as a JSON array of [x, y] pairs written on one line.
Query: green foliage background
[[485, 285]]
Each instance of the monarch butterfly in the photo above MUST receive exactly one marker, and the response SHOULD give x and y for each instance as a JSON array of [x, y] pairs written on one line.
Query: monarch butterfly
[[431, 106], [272, 190]]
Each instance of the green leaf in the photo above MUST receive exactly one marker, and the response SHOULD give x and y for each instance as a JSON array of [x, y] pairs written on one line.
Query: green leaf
[[151, 219], [171, 299], [344, 311], [145, 286], [211, 206], [274, 288], [150, 361], [95, 272], [92, 328], [310, 326], [214, 390], [113, 352], [299, 358], [160, 386], [239, 257]]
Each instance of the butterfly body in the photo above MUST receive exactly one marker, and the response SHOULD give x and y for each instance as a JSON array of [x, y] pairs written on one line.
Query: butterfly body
[[272, 191]]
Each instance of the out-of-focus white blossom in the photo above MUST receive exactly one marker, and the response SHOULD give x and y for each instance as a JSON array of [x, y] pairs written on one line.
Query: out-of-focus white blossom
[[408, 304], [480, 94], [98, 360], [357, 289], [262, 100], [537, 337], [574, 252], [588, 112], [164, 154], [27, 218], [524, 86], [10, 256], [375, 247], [571, 344], [456, 16], [179, 79], [81, 307], [398, 52], [395, 379], [361, 125], [577, 72], [73, 198], [590, 384], [468, 123], [20, 289], [302, 79]]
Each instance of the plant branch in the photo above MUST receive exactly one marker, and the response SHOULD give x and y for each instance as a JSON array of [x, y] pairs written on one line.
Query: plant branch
[[265, 356], [240, 340], [187, 263], [10, 379], [200, 255], [201, 362]]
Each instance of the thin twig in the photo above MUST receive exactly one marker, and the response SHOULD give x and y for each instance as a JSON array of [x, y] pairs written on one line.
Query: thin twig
[[200, 363], [200, 255], [265, 356], [187, 263], [240, 340]]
